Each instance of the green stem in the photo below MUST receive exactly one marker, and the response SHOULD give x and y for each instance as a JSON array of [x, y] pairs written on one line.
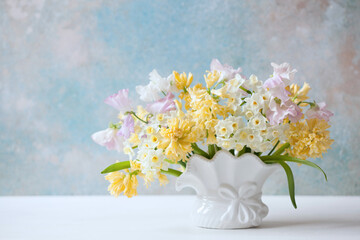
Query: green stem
[[241, 152], [277, 143], [244, 89], [282, 149], [134, 114], [199, 151], [211, 150], [183, 164], [171, 171]]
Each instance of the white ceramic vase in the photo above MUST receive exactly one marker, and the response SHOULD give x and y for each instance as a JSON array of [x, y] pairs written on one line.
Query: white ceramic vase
[[228, 189]]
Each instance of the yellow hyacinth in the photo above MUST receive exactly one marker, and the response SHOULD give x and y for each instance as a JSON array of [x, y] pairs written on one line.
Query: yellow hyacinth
[[309, 138], [182, 81], [299, 94], [211, 78], [120, 182], [177, 138], [163, 180]]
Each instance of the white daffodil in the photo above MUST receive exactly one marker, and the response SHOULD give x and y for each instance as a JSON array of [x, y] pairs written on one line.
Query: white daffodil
[[224, 128], [258, 121]]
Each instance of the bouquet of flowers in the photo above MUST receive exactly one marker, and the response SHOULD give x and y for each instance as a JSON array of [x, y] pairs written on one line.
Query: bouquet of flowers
[[273, 119]]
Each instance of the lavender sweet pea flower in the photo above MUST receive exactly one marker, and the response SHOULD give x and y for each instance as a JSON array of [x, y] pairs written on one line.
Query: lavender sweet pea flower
[[319, 111], [277, 88], [127, 127], [109, 139], [120, 100], [227, 71], [277, 112], [163, 105]]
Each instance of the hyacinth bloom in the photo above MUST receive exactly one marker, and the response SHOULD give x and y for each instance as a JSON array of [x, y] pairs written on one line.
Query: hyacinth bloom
[[319, 111], [120, 100], [109, 139], [127, 127], [227, 71], [309, 138], [163, 105]]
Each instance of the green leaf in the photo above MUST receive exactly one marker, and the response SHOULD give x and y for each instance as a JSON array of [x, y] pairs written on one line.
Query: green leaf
[[277, 143], [272, 159], [291, 183], [116, 167], [171, 171], [281, 149]]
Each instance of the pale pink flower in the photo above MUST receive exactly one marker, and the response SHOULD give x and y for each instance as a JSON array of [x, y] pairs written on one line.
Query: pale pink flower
[[284, 71], [277, 112], [109, 139], [277, 88], [120, 100], [319, 111], [127, 128], [227, 71], [163, 105]]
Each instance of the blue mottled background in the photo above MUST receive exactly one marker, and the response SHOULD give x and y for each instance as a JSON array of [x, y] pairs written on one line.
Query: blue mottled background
[[60, 59]]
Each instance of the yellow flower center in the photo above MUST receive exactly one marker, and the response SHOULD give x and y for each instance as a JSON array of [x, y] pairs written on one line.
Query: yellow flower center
[[223, 130], [160, 117], [249, 114], [251, 137], [155, 159], [154, 139], [243, 135], [149, 130]]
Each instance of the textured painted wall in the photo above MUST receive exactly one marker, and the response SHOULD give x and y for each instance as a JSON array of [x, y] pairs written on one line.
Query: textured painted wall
[[60, 59]]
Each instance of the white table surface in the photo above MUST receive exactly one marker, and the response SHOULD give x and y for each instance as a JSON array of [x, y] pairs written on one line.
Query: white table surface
[[167, 217]]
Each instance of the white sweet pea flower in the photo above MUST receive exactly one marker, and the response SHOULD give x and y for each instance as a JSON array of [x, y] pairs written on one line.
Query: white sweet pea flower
[[148, 93], [109, 139], [157, 87]]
